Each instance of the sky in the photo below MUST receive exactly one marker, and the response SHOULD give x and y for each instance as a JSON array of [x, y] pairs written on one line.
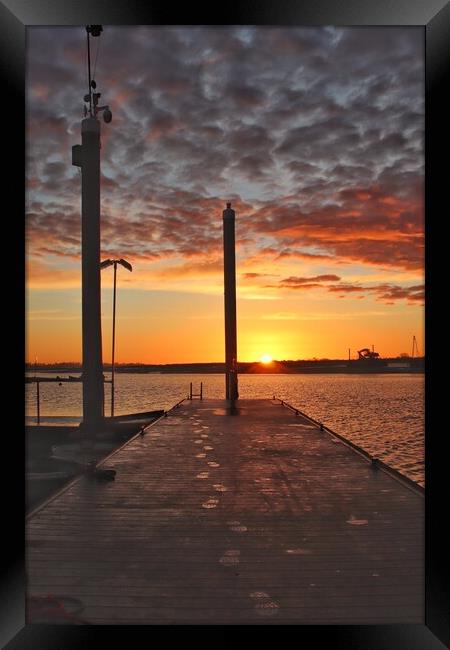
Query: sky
[[316, 137]]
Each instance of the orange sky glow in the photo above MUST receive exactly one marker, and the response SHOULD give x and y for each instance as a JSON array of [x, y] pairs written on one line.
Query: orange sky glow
[[321, 157]]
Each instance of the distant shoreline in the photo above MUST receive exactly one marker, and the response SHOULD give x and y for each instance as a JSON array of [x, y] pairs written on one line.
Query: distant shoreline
[[385, 366]]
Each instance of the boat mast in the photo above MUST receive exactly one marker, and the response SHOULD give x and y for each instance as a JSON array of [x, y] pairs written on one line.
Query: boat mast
[[414, 346]]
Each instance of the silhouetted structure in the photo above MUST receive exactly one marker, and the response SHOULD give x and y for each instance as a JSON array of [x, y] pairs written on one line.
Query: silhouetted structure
[[229, 266], [87, 156]]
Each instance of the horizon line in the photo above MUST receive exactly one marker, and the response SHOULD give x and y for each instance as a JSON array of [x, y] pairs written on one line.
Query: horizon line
[[190, 363]]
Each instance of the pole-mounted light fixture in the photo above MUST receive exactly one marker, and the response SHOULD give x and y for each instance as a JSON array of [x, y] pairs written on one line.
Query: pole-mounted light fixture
[[104, 265]]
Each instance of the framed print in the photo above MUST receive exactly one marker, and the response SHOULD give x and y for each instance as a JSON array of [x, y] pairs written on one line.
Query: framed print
[[196, 54]]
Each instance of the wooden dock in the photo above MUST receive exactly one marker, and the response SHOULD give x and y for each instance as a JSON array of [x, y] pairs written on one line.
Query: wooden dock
[[214, 518]]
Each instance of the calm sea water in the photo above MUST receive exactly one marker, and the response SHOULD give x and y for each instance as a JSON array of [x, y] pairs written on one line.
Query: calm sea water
[[382, 413]]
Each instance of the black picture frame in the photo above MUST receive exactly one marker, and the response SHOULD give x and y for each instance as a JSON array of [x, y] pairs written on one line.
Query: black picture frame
[[434, 17]]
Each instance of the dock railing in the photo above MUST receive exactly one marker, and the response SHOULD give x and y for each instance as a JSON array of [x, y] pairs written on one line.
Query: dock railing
[[39, 380], [375, 462]]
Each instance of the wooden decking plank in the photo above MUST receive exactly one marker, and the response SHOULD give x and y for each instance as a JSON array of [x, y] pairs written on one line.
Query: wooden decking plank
[[196, 528]]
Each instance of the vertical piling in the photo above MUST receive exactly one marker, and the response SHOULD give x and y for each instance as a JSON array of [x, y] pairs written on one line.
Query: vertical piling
[[87, 156], [38, 400], [113, 340], [229, 258]]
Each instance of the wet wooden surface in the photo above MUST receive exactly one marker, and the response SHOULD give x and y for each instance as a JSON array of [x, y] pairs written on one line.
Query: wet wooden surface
[[215, 518]]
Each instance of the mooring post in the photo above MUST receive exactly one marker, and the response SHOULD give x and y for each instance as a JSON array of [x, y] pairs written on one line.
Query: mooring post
[[113, 343], [229, 266], [38, 402]]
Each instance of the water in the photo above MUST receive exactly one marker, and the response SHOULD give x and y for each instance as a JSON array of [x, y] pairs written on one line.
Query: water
[[383, 414]]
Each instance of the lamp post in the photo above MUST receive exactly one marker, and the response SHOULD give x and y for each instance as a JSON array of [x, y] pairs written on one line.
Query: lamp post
[[127, 266]]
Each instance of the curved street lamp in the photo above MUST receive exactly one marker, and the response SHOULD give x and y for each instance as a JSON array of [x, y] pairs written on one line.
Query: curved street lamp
[[104, 265]]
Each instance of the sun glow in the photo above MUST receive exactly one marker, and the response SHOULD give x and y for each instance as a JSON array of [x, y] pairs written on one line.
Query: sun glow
[[266, 358]]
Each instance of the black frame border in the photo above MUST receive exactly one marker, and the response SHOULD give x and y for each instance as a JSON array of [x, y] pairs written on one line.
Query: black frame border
[[434, 17]]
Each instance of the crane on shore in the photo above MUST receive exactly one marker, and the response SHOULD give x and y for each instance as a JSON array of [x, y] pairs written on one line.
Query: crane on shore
[[365, 353]]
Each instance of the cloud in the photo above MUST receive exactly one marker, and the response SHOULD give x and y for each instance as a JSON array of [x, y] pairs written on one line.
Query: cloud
[[296, 282], [315, 134], [384, 292], [313, 282], [205, 267], [387, 293], [254, 276]]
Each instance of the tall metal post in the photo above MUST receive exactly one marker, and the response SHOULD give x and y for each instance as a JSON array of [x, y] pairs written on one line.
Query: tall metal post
[[87, 156], [113, 339], [229, 266]]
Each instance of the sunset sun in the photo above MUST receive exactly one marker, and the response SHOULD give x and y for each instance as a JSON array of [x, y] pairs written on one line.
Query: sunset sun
[[266, 358]]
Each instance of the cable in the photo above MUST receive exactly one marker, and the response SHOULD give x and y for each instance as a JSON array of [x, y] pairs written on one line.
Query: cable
[[89, 74], [96, 57]]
